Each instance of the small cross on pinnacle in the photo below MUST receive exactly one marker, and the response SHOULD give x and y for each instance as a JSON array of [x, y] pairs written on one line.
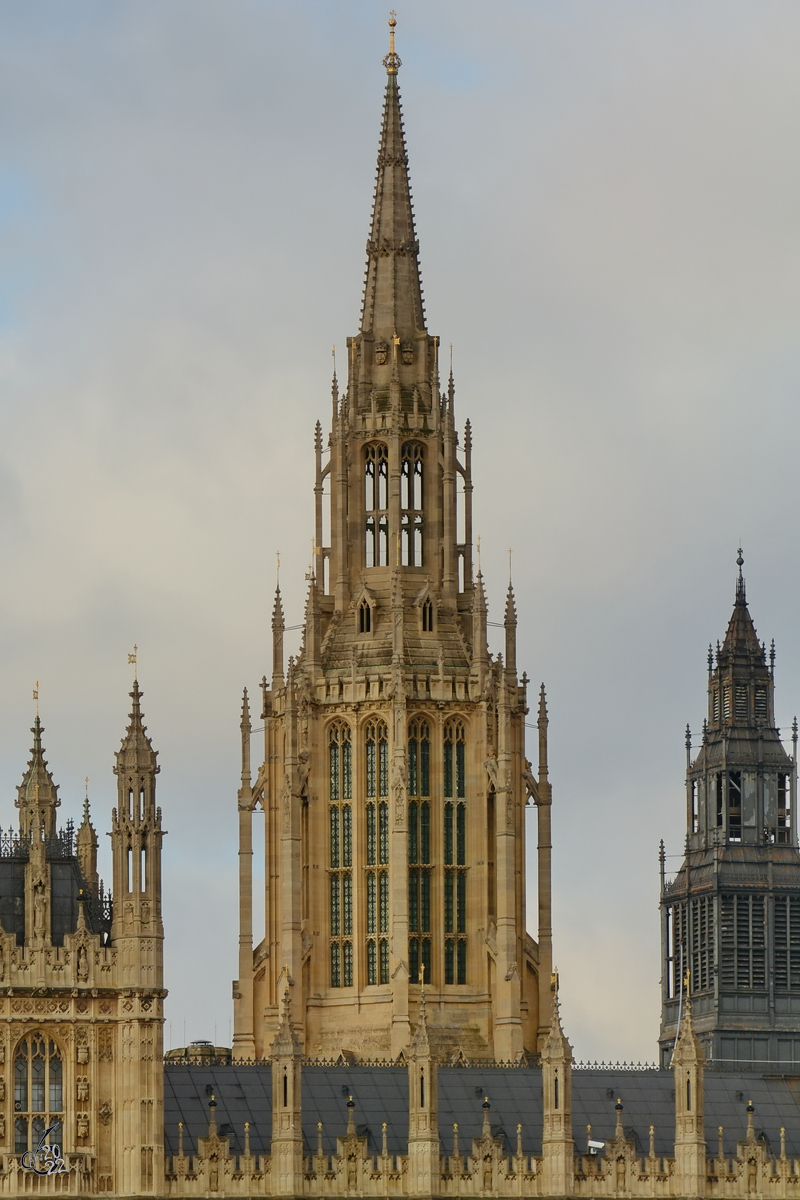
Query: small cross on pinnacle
[[36, 696], [132, 659]]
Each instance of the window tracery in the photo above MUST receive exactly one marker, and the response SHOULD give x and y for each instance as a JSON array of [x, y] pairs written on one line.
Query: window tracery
[[376, 505], [38, 1092], [411, 504], [420, 869], [455, 854], [376, 748], [340, 835]]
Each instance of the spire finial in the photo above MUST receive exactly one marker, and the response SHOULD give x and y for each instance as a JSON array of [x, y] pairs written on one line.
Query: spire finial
[[740, 594], [86, 799], [132, 660], [392, 60], [36, 698], [277, 570]]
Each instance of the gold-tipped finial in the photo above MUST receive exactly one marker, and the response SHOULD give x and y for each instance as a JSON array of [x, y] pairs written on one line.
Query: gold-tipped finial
[[36, 696], [132, 659], [392, 60]]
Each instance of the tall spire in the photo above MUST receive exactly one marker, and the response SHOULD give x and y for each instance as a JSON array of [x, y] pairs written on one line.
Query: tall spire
[[741, 637], [393, 306], [136, 749], [37, 795]]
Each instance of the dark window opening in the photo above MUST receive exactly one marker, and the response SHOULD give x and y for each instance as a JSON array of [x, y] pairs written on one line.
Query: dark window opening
[[376, 504], [735, 806]]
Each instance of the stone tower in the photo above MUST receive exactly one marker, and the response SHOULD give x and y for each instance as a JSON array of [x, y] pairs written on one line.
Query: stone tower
[[394, 778], [81, 1047], [731, 917]]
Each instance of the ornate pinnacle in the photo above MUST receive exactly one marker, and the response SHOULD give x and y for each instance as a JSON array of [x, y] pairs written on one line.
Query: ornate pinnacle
[[392, 60], [740, 592]]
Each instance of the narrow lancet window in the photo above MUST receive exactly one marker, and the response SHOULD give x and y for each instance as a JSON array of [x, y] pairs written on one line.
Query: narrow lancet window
[[411, 504], [455, 853], [376, 506], [340, 854], [376, 750], [420, 861]]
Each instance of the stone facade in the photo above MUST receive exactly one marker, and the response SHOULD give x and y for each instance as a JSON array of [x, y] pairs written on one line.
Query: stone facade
[[81, 1047]]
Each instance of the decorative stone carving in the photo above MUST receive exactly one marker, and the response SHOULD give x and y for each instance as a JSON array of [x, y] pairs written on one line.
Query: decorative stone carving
[[106, 1045]]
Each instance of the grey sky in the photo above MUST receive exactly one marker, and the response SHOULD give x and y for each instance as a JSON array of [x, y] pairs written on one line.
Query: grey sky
[[607, 198]]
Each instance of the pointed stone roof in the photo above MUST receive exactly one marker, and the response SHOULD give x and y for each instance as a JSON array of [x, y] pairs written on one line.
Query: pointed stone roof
[[136, 751], [556, 1047], [37, 790], [277, 610], [286, 1043], [393, 304], [741, 638], [687, 1047], [86, 835], [510, 616]]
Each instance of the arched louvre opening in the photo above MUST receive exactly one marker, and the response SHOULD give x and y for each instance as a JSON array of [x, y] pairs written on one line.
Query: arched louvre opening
[[340, 854], [38, 1092], [376, 747], [455, 854], [420, 860], [376, 506]]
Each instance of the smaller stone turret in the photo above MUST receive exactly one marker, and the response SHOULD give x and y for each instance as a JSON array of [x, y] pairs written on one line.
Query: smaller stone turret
[[287, 1129], [86, 847], [423, 1110], [37, 795], [558, 1154], [690, 1139]]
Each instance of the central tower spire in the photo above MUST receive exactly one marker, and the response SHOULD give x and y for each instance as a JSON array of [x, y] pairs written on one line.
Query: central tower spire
[[394, 777], [393, 304]]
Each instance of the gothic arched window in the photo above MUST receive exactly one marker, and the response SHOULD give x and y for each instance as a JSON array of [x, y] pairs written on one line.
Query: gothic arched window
[[365, 617], [420, 870], [427, 615], [455, 853], [376, 745], [340, 816], [38, 1092], [376, 506], [411, 505]]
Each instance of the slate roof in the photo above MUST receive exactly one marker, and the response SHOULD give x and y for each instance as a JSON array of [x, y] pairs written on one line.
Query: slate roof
[[243, 1093]]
